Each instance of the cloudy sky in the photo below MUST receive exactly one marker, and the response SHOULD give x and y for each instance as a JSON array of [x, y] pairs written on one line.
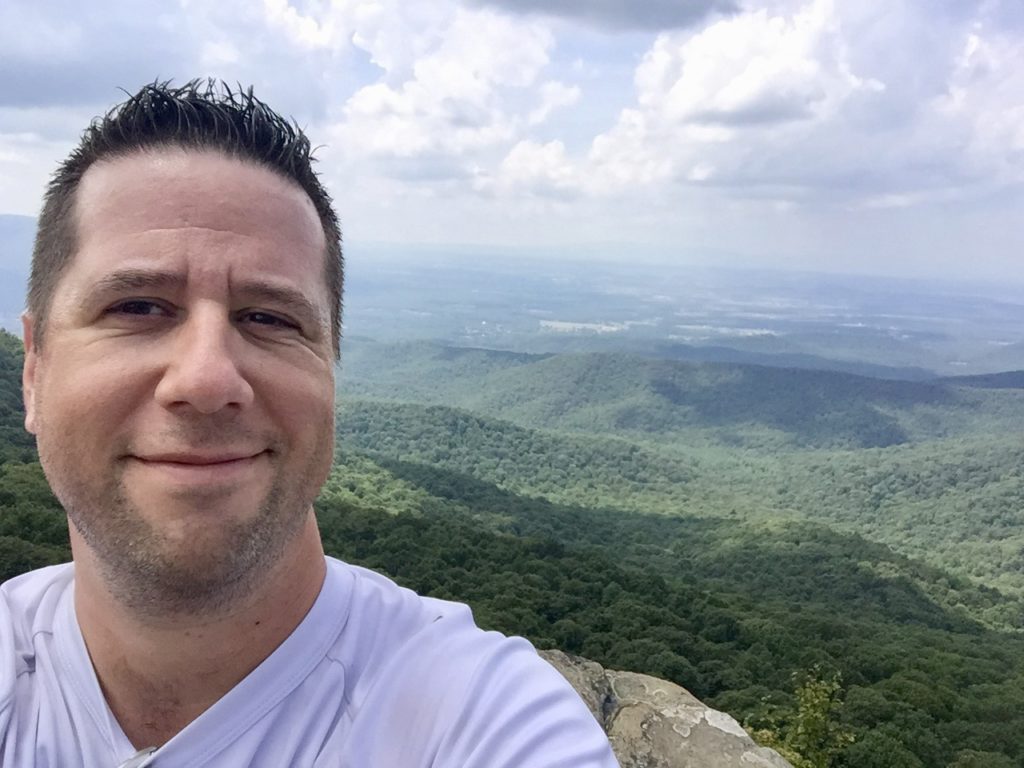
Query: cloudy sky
[[877, 136]]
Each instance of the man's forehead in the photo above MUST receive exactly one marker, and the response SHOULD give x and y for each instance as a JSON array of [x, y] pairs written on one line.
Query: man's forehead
[[175, 187], [198, 218]]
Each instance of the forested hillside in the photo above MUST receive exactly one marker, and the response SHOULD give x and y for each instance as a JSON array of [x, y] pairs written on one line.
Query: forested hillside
[[776, 444], [671, 402], [735, 571]]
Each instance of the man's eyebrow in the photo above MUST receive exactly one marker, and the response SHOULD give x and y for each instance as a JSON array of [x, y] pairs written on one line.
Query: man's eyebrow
[[137, 279]]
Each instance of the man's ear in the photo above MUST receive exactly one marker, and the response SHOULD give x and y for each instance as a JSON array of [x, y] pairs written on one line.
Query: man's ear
[[28, 373]]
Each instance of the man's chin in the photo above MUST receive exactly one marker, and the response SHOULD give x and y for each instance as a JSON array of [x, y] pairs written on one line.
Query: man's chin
[[183, 512], [170, 548], [187, 576]]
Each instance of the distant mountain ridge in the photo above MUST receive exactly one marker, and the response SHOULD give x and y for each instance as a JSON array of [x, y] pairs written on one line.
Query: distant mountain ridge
[[726, 354], [727, 403], [1004, 380]]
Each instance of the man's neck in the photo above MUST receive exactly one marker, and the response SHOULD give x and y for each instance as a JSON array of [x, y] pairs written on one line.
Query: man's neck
[[159, 676]]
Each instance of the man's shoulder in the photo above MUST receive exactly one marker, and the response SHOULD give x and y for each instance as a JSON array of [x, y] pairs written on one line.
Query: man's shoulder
[[391, 630], [384, 617], [28, 607], [373, 593], [399, 635], [29, 601], [469, 696]]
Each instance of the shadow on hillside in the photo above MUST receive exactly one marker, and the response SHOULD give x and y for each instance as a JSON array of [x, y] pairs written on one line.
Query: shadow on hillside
[[790, 565], [817, 407]]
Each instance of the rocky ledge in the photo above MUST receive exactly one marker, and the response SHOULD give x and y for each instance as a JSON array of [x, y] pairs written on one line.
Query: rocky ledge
[[653, 723]]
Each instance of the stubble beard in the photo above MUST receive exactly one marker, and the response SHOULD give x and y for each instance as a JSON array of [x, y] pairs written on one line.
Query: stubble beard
[[215, 567], [153, 574]]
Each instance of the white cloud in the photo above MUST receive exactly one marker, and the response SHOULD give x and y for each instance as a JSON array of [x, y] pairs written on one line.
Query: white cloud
[[309, 31], [751, 68], [293, 59], [540, 169], [712, 104], [629, 156], [458, 97], [985, 99], [216, 55], [553, 95], [397, 34], [794, 106]]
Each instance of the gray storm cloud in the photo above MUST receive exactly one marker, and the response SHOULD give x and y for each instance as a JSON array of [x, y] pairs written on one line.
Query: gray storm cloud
[[619, 14]]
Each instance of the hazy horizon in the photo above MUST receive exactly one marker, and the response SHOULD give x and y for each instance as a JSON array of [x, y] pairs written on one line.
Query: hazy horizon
[[532, 301], [873, 138], [606, 254]]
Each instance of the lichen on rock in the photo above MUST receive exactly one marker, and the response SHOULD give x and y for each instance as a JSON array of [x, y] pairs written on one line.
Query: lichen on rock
[[653, 723]]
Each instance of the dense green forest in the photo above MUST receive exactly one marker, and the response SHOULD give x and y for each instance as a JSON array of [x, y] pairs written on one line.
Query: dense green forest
[[945, 486], [876, 560]]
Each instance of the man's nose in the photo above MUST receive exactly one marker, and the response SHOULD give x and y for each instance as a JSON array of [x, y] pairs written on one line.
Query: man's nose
[[204, 368]]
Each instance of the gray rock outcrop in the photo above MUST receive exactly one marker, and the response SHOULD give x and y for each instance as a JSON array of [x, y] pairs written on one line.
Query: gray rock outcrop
[[653, 723]]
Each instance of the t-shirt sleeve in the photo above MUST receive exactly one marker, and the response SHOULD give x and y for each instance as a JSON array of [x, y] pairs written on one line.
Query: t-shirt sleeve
[[8, 673], [450, 695], [519, 712]]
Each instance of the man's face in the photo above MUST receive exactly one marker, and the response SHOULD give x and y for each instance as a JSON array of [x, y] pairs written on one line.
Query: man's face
[[183, 397]]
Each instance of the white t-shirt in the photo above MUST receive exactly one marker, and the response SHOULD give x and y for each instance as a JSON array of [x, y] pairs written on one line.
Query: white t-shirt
[[375, 676]]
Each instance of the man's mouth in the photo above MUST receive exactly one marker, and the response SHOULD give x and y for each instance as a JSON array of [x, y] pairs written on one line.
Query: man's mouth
[[204, 459], [193, 469]]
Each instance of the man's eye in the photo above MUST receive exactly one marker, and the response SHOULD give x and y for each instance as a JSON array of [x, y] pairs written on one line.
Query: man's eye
[[267, 319], [137, 307]]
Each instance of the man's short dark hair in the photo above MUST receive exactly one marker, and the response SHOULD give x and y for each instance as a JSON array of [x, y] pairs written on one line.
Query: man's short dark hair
[[199, 115]]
